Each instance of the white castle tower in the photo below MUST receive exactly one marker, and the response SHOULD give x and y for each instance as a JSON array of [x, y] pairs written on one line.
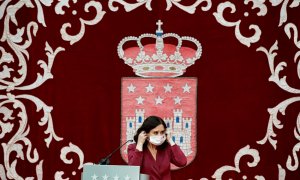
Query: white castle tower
[[139, 117], [169, 122], [187, 132], [133, 123], [130, 125], [181, 131], [177, 119]]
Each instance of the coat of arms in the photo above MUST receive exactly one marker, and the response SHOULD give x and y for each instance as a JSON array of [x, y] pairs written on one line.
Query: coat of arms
[[158, 91]]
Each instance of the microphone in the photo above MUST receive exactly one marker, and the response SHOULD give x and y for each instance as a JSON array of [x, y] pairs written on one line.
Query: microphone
[[105, 161]]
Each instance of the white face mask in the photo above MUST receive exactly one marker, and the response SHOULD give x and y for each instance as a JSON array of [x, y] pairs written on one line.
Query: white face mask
[[157, 139]]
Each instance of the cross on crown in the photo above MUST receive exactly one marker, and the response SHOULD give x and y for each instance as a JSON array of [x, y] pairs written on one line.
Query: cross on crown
[[159, 23]]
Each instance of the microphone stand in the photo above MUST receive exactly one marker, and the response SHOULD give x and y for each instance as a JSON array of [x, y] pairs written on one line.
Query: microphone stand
[[105, 161]]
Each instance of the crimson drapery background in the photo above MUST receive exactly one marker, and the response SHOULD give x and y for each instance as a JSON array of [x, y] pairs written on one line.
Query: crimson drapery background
[[245, 86]]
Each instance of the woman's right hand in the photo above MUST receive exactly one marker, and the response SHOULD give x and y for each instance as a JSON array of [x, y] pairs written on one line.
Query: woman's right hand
[[141, 140]]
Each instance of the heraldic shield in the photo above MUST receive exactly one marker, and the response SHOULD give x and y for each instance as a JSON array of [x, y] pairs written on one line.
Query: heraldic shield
[[159, 91]]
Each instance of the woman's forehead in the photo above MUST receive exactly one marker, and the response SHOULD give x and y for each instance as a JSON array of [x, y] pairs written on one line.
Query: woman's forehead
[[159, 128]]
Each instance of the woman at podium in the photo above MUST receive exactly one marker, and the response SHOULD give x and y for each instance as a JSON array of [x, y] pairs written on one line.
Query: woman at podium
[[154, 150]]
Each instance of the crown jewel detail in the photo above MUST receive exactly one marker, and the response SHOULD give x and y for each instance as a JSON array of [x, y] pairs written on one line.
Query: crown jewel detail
[[159, 59]]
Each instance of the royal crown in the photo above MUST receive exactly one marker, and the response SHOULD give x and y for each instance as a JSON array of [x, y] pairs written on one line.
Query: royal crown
[[159, 59]]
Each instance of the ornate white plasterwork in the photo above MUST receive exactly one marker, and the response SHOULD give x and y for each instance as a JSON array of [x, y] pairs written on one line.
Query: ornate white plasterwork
[[274, 121], [63, 156], [282, 83], [281, 172], [275, 77], [289, 163], [284, 5], [281, 107], [292, 162], [12, 108], [131, 6], [75, 38], [219, 15], [256, 4], [245, 151], [275, 70], [11, 102]]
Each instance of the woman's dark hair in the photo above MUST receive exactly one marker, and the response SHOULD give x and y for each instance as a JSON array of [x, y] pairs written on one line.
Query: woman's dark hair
[[150, 123]]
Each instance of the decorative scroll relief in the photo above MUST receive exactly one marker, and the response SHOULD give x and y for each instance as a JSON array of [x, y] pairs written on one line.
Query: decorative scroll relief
[[244, 40], [15, 144], [46, 119], [5, 126], [2, 172], [5, 58], [19, 143], [63, 156], [18, 147], [292, 162], [40, 14], [12, 9], [16, 83], [131, 6], [289, 29], [16, 42], [61, 4], [75, 38], [281, 173], [297, 55], [259, 4], [46, 68], [283, 10], [242, 152], [289, 165], [274, 121], [189, 9], [281, 82], [19, 50]]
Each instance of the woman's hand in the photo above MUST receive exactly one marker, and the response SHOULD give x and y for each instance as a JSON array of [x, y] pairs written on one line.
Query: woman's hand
[[169, 138], [141, 140]]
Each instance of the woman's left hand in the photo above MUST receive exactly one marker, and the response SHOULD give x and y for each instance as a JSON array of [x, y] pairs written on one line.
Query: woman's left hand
[[169, 138]]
